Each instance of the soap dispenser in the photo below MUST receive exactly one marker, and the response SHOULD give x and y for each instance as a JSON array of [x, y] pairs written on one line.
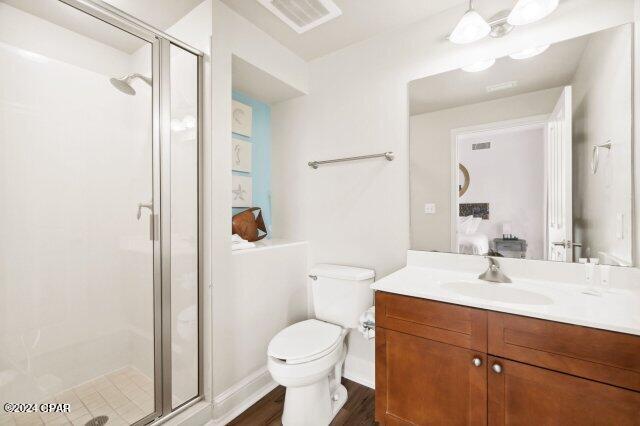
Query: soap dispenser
[[589, 277]]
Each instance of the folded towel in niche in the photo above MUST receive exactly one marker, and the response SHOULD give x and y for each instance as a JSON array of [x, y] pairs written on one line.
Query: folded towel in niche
[[238, 243], [242, 246], [236, 239]]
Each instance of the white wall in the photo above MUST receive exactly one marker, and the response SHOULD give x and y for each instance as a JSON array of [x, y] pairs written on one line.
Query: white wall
[[602, 108], [430, 158], [268, 294], [265, 279], [358, 213], [234, 35], [510, 177]]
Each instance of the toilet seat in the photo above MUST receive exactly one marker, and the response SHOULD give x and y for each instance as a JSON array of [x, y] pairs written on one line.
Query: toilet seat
[[305, 341]]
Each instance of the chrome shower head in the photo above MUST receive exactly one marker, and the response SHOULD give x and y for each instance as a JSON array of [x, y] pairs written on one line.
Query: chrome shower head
[[123, 84]]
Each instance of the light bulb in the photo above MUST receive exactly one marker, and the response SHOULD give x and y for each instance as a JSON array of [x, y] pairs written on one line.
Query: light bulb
[[471, 27], [529, 53], [529, 11], [479, 66]]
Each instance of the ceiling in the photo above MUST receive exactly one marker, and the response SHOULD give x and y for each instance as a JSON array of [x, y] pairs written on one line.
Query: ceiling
[[361, 19], [258, 84], [161, 14], [555, 67]]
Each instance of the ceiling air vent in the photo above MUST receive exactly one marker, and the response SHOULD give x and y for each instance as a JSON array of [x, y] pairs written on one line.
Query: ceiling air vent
[[303, 15], [482, 145], [502, 86]]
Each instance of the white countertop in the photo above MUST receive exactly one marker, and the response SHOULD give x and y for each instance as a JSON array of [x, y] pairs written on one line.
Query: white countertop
[[268, 244], [615, 310]]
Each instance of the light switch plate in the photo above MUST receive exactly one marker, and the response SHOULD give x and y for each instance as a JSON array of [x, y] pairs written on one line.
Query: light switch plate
[[430, 208]]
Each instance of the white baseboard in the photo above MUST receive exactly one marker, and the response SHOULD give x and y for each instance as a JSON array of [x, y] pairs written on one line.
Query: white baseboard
[[197, 415], [360, 371], [234, 401]]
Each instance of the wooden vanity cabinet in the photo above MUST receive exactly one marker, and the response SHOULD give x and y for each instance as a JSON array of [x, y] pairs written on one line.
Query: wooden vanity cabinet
[[438, 363], [428, 382], [522, 394]]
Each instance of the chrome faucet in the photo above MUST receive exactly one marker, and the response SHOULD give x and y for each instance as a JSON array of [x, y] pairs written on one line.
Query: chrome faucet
[[493, 273]]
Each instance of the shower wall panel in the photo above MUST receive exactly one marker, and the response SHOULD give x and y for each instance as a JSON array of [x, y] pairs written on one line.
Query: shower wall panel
[[75, 160]]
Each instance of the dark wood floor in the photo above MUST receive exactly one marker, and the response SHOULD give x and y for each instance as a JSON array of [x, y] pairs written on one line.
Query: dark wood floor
[[358, 410]]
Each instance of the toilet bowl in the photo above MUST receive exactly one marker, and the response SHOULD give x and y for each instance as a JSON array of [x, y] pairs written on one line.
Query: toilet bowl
[[307, 357]]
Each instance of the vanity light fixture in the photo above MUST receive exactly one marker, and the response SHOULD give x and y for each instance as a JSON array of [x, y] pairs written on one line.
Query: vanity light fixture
[[529, 53], [471, 27], [529, 11], [479, 66]]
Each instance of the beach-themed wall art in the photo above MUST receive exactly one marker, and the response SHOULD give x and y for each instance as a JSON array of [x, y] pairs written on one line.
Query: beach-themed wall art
[[475, 210], [241, 156], [241, 119], [241, 191]]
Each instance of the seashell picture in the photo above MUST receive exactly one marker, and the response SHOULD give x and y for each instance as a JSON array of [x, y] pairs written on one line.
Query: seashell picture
[[241, 118], [241, 156]]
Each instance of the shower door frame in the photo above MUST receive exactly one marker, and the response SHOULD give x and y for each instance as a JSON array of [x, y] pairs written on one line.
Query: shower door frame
[[161, 215]]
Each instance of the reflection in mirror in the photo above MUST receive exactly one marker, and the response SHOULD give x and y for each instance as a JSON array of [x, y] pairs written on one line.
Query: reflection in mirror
[[529, 158]]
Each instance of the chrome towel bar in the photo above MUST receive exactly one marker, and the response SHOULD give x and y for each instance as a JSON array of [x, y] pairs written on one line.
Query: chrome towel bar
[[388, 155]]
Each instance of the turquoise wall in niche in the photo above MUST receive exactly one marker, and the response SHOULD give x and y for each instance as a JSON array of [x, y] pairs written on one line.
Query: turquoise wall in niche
[[260, 155]]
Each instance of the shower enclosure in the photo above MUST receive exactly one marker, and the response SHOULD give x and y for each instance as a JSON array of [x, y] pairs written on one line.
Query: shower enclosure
[[100, 132]]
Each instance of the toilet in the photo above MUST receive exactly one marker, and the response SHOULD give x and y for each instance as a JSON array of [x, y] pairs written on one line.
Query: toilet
[[307, 357]]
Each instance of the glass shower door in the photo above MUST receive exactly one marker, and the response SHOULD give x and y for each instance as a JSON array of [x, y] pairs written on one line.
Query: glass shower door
[[184, 225], [77, 249]]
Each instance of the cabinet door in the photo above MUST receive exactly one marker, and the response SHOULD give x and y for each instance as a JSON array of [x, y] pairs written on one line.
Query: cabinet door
[[521, 394], [424, 382]]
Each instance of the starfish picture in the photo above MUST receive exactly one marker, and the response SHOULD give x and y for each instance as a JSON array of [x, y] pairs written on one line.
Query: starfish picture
[[238, 194]]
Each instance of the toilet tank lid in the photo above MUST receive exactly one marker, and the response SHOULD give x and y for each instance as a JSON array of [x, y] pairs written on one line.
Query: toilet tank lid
[[342, 272]]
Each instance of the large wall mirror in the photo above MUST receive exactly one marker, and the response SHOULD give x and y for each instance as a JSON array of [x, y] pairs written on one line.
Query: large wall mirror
[[529, 155]]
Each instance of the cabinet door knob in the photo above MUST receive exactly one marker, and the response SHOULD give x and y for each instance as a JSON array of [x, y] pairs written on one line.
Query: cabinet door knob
[[497, 368], [477, 362]]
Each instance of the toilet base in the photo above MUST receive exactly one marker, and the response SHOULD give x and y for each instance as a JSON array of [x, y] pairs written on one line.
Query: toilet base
[[339, 398], [312, 405]]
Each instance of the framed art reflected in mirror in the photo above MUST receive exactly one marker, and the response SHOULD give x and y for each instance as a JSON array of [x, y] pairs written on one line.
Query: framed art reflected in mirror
[[466, 180]]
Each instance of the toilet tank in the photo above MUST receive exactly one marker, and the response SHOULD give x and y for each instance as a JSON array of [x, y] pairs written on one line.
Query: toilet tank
[[341, 293]]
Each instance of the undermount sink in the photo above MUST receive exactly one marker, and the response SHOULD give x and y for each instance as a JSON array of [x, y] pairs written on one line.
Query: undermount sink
[[497, 293]]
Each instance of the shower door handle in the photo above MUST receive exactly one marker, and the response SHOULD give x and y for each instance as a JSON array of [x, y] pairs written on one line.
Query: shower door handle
[[151, 218], [146, 206]]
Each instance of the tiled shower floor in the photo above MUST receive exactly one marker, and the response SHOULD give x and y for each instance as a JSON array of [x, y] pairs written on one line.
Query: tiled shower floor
[[125, 396]]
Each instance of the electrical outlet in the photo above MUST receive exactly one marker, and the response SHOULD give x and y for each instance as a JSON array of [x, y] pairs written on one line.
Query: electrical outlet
[[430, 208]]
